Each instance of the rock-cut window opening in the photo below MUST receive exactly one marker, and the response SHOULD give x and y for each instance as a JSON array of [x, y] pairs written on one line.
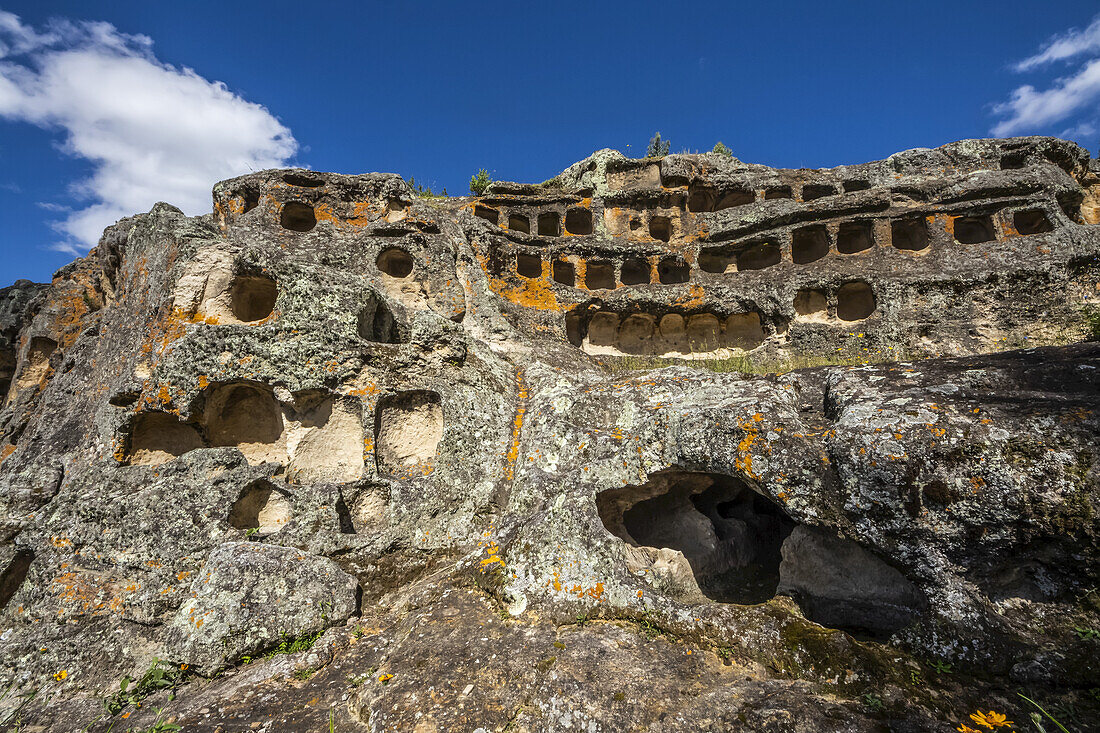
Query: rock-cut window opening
[[564, 272], [578, 221], [376, 322], [736, 197], [660, 227], [1032, 221], [599, 276], [974, 229], [395, 262], [812, 191], [854, 301], [519, 223], [297, 217], [528, 265], [673, 269], [158, 437], [484, 212], [261, 507], [758, 256], [549, 224], [909, 234], [854, 236], [809, 244], [407, 429], [252, 298], [635, 271]]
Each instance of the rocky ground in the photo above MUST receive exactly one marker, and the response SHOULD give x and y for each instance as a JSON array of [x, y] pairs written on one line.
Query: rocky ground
[[339, 457]]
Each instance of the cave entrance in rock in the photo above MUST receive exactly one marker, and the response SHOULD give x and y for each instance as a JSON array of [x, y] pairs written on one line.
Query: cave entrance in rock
[[720, 535], [729, 533]]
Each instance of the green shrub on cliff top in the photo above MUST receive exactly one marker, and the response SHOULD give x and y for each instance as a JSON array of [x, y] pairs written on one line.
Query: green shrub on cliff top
[[480, 182]]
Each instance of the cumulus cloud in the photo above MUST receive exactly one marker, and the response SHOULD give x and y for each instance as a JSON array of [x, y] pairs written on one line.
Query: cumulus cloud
[[153, 132], [1071, 97]]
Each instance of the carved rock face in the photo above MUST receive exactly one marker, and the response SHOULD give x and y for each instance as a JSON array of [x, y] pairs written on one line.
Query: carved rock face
[[473, 426]]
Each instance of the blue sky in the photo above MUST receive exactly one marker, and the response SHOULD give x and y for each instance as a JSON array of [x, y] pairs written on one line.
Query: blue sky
[[106, 108]]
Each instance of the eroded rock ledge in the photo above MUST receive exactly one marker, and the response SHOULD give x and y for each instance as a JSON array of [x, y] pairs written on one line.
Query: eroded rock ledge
[[538, 460]]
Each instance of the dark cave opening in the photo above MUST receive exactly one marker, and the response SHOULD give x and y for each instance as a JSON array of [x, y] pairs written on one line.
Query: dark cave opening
[[730, 534], [742, 547]]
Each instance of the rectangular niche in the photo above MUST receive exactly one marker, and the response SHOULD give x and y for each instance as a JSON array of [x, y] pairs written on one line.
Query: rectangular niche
[[407, 429]]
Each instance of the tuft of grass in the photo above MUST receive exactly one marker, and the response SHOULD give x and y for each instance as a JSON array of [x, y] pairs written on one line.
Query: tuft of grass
[[425, 192], [1092, 323], [14, 718], [554, 182], [873, 703], [1044, 712], [292, 645]]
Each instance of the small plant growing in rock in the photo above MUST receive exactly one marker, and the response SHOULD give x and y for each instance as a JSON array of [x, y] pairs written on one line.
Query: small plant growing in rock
[[1092, 323], [873, 702], [658, 148], [722, 150], [479, 182], [291, 645], [941, 667], [159, 676]]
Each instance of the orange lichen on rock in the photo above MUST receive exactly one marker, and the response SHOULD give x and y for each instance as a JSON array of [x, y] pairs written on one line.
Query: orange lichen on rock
[[517, 426]]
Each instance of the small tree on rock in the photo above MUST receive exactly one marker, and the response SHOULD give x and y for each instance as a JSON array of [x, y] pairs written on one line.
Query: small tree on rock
[[722, 150], [480, 182], [658, 148]]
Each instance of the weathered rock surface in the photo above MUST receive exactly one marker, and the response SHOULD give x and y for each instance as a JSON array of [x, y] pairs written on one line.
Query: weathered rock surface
[[249, 596], [541, 455]]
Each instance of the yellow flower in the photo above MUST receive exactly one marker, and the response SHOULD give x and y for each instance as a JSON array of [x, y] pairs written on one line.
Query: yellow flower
[[991, 720], [964, 728], [59, 676], [183, 667], [385, 677]]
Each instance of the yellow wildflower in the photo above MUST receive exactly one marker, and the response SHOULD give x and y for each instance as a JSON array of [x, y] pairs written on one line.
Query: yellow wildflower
[[59, 676], [964, 728], [991, 719], [385, 678]]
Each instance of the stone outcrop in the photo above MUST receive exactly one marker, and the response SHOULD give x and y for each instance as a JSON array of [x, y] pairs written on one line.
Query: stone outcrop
[[542, 459]]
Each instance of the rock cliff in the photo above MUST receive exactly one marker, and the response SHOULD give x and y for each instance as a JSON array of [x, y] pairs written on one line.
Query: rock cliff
[[676, 444]]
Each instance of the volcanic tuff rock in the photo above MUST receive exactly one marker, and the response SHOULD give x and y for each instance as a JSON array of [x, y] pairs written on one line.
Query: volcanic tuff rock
[[541, 459]]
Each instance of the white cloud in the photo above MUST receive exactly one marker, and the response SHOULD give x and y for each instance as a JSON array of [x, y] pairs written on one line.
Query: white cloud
[[1069, 101], [1072, 43], [1030, 110], [152, 131]]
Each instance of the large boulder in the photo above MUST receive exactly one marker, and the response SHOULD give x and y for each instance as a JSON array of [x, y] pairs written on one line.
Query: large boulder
[[250, 596]]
